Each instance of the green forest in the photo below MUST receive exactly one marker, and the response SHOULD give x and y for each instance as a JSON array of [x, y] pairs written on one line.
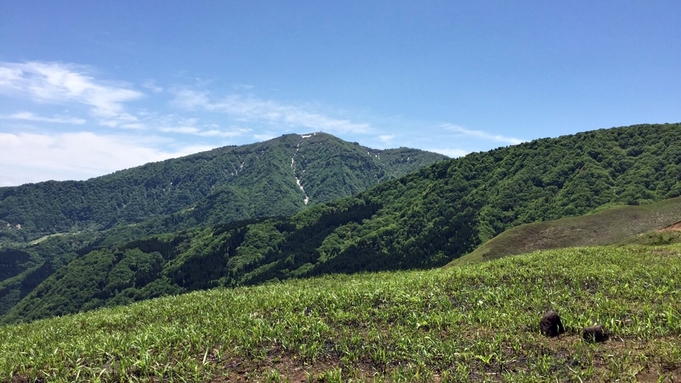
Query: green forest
[[218, 186], [44, 226], [422, 220]]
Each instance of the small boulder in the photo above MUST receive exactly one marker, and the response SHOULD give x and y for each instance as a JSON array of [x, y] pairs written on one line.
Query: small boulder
[[551, 325], [595, 334]]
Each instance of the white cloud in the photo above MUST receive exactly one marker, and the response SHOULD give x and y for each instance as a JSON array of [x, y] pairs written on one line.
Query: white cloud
[[481, 134], [450, 152], [191, 100], [244, 87], [204, 133], [29, 157], [151, 85], [123, 120], [9, 77], [249, 109], [222, 133], [386, 138], [57, 83], [180, 129], [265, 136], [28, 116]]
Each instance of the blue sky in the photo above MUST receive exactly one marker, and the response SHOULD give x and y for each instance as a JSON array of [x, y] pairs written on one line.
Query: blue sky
[[90, 87]]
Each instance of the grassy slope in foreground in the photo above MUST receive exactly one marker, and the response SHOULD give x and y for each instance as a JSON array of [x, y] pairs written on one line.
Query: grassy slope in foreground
[[614, 225], [471, 323]]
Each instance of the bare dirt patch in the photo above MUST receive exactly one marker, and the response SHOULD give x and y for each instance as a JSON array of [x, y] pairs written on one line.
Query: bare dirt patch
[[674, 227], [652, 375]]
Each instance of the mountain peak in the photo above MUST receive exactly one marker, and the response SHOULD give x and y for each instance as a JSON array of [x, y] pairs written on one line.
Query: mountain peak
[[275, 177]]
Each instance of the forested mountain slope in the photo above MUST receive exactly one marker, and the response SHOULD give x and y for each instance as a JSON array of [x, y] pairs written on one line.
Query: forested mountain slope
[[230, 183], [424, 219], [273, 178]]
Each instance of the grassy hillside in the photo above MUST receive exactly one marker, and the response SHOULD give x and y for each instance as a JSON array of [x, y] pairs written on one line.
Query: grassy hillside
[[620, 224], [425, 219], [664, 236], [475, 323]]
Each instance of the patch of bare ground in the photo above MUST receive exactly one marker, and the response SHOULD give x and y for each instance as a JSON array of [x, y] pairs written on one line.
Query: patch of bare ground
[[665, 253], [674, 227], [241, 370], [657, 376], [288, 369]]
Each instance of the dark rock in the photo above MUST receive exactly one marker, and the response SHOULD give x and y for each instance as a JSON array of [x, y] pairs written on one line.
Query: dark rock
[[595, 334], [551, 325]]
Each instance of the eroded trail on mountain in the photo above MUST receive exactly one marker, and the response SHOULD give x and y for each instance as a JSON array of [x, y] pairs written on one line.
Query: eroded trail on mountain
[[306, 200]]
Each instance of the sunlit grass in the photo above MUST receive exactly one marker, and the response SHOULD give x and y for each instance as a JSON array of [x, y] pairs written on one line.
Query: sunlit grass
[[471, 323]]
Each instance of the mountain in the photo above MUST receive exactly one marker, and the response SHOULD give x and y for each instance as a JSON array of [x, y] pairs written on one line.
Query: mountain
[[47, 225], [650, 224], [272, 178], [424, 219]]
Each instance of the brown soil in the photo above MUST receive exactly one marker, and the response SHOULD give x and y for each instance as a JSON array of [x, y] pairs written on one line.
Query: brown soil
[[654, 376], [674, 227]]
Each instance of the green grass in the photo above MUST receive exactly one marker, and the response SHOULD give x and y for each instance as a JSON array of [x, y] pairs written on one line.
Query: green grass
[[472, 323], [618, 224], [655, 238]]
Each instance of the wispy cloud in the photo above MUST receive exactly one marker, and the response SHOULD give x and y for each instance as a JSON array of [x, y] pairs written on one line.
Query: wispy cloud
[[204, 132], [28, 116], [250, 109], [180, 129], [151, 85], [57, 83], [244, 87], [386, 138], [264, 136], [29, 157], [222, 133], [481, 134], [191, 100]]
